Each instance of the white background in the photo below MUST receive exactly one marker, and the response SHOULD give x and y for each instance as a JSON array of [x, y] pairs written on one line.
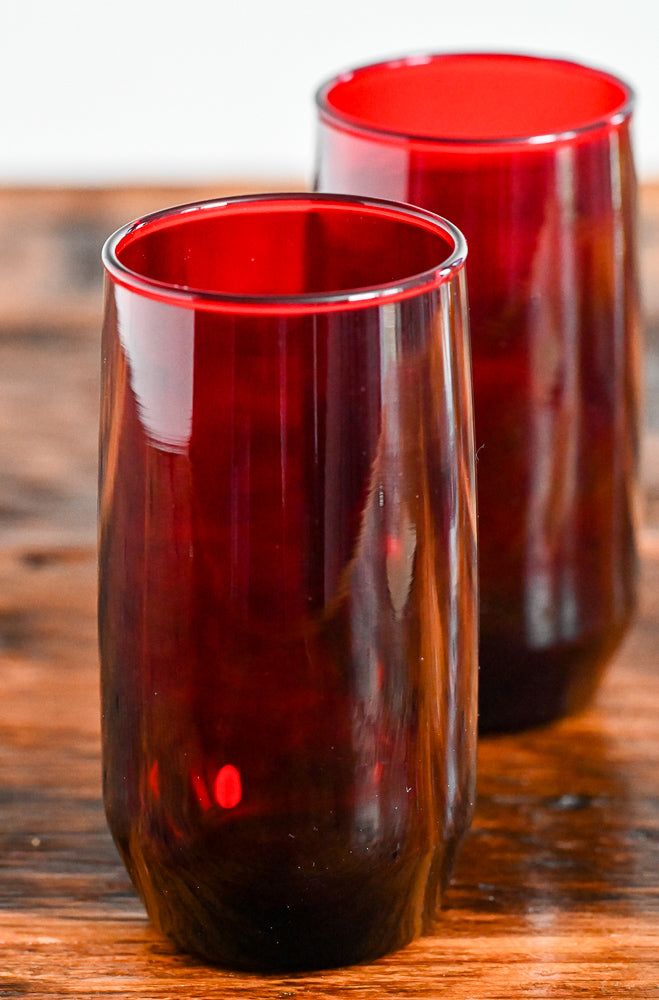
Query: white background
[[93, 91]]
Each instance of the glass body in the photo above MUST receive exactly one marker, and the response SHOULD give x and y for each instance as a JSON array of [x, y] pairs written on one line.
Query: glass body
[[287, 607], [532, 159]]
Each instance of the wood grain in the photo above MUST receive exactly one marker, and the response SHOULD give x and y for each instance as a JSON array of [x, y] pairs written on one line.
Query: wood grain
[[556, 893]]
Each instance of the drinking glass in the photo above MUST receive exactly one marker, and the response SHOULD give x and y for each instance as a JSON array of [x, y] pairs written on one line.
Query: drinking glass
[[287, 607], [532, 159]]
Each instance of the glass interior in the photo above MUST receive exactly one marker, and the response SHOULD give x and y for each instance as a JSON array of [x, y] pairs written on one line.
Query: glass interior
[[283, 247], [476, 96]]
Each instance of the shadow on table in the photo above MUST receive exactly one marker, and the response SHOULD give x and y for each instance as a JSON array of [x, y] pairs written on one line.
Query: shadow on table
[[561, 822]]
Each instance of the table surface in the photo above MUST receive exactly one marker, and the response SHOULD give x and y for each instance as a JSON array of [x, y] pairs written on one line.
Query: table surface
[[556, 889]]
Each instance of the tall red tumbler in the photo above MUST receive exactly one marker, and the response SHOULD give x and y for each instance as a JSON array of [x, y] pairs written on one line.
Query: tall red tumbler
[[287, 607], [532, 159]]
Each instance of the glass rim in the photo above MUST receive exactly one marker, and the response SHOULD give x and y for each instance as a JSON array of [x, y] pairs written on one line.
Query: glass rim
[[341, 298], [354, 124]]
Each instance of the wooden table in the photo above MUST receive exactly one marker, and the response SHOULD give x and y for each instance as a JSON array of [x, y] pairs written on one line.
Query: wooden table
[[556, 890]]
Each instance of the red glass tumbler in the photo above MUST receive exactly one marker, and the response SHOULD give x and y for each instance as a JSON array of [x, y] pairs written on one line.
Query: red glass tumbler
[[532, 159], [287, 609]]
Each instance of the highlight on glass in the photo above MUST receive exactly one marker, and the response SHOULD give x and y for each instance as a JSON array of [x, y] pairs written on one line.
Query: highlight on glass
[[288, 597], [532, 158]]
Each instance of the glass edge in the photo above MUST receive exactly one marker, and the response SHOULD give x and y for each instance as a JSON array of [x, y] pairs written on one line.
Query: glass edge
[[374, 295], [622, 112]]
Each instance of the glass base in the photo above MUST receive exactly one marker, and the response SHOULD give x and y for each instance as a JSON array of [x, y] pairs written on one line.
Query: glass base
[[521, 687], [247, 910]]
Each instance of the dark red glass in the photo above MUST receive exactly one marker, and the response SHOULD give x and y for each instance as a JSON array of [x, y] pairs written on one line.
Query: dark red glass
[[287, 607], [532, 159]]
